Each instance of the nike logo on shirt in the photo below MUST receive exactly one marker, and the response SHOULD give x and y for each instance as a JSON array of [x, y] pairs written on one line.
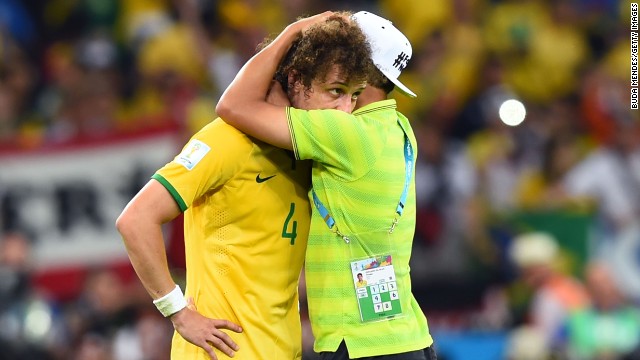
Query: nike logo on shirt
[[261, 180]]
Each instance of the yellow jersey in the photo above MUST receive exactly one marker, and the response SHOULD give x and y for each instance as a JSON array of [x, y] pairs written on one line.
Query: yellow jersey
[[246, 221]]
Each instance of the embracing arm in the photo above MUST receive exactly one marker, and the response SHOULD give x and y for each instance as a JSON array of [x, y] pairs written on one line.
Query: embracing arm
[[244, 105], [140, 225]]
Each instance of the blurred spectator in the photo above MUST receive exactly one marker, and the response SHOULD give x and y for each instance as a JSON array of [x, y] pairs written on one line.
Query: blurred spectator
[[81, 97], [602, 104], [610, 328], [527, 343], [419, 20], [448, 54], [169, 76], [149, 338], [624, 263], [17, 86], [542, 187], [542, 44], [113, 320], [92, 347], [445, 187], [500, 157], [30, 326], [478, 111], [555, 295], [16, 21], [102, 307], [606, 177]]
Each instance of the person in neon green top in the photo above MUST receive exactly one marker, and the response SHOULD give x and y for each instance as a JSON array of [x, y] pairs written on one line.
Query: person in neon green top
[[364, 196], [607, 329], [246, 215]]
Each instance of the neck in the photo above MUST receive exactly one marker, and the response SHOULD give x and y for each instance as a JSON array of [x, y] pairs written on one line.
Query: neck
[[370, 95]]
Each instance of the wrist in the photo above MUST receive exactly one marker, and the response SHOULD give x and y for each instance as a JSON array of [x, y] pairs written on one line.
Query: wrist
[[171, 303], [287, 36]]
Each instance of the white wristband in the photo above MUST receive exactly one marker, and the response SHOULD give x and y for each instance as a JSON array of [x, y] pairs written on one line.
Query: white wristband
[[171, 303]]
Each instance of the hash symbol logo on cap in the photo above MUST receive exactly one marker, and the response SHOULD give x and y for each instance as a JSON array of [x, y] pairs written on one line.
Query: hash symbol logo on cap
[[401, 61]]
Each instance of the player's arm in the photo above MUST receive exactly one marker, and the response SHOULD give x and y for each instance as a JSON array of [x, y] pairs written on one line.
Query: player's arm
[[140, 225], [244, 104]]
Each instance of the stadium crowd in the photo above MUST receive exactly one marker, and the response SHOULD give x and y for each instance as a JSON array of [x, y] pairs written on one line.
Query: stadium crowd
[[527, 235]]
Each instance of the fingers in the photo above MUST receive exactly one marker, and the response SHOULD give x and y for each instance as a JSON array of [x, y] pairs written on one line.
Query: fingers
[[223, 341], [205, 332], [217, 340], [191, 304], [226, 324], [323, 15], [320, 17], [305, 23], [209, 349]]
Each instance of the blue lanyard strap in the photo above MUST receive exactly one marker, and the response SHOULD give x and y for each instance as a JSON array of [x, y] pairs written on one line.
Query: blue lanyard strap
[[408, 162], [322, 210], [408, 170]]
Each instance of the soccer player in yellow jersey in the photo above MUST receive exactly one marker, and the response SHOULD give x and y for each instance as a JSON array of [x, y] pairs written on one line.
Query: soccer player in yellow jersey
[[246, 214], [361, 282], [363, 192]]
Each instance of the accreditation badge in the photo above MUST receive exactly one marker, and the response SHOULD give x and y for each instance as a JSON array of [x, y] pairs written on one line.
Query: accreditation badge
[[377, 292]]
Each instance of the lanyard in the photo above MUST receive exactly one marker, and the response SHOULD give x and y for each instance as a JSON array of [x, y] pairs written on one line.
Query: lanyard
[[408, 163]]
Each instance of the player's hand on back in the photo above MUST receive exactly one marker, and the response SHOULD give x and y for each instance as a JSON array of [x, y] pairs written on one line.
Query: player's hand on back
[[205, 332]]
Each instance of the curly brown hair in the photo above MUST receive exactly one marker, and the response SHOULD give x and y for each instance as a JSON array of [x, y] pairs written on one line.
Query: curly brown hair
[[336, 41]]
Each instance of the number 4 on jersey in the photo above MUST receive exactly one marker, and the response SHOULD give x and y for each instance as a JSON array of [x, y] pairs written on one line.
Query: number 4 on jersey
[[293, 234]]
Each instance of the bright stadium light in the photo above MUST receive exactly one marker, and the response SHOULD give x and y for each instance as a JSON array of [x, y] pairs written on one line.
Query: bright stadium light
[[512, 112]]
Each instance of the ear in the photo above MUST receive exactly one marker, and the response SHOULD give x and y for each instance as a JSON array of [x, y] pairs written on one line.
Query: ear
[[295, 85]]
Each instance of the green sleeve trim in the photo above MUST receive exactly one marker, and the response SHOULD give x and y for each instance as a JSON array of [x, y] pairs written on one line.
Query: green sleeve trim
[[174, 193], [292, 134]]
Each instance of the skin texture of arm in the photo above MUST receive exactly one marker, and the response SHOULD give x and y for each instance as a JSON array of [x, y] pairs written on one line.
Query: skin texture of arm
[[245, 97], [140, 225]]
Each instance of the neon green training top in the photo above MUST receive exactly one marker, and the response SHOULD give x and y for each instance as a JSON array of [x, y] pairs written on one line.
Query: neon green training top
[[359, 175]]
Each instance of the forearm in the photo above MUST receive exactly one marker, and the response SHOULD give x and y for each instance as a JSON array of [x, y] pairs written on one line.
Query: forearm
[[253, 80], [251, 84], [244, 103], [145, 246], [140, 225]]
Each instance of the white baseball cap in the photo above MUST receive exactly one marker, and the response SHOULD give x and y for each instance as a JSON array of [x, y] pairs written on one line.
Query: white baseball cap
[[390, 49]]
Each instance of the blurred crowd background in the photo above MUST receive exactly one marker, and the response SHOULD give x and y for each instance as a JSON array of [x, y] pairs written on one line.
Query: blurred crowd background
[[527, 243]]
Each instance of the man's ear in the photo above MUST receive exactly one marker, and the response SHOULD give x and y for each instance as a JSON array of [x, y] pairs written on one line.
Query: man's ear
[[277, 96], [294, 83]]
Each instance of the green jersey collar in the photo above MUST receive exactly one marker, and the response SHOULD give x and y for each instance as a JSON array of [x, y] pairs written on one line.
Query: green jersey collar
[[375, 106]]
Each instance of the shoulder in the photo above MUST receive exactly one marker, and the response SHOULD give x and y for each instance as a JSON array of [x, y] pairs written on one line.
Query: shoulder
[[404, 122], [218, 134], [219, 128], [217, 144]]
